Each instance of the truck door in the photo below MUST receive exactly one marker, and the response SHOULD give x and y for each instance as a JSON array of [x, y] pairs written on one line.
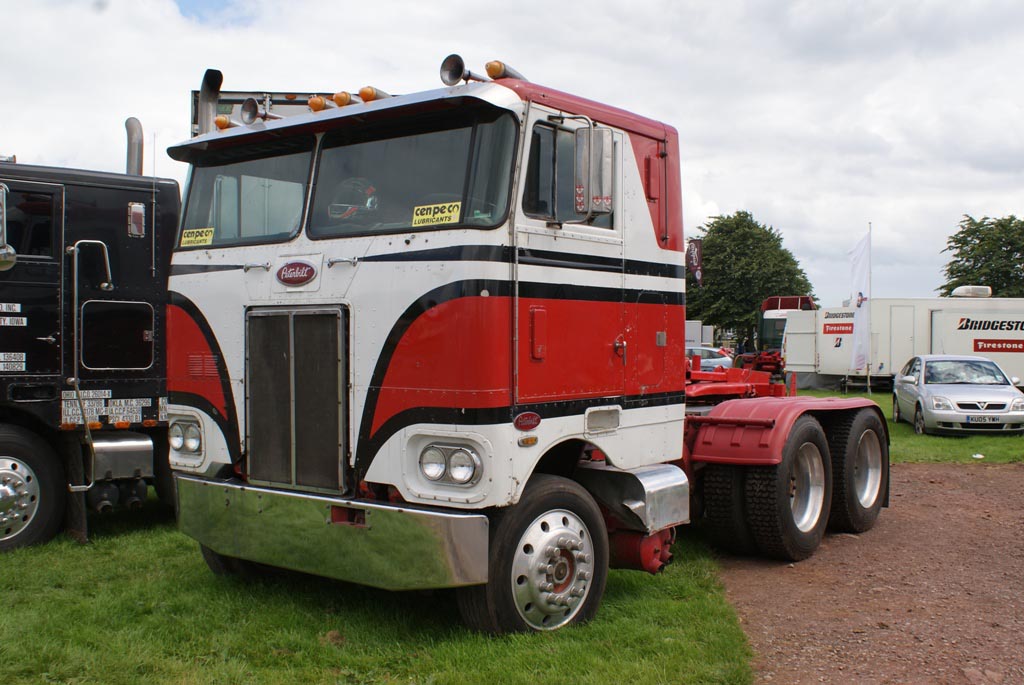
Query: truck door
[[30, 321], [570, 317], [111, 285]]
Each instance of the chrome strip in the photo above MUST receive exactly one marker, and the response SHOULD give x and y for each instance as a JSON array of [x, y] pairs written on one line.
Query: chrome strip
[[397, 548]]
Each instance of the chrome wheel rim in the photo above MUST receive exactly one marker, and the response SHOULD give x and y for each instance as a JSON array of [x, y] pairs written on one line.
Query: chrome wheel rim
[[867, 468], [807, 487], [19, 496], [919, 422], [552, 569]]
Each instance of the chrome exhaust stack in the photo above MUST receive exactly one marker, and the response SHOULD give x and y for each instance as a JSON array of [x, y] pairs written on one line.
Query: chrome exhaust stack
[[133, 165]]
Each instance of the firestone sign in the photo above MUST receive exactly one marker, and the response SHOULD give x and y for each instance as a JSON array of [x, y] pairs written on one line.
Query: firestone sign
[[296, 273], [998, 345]]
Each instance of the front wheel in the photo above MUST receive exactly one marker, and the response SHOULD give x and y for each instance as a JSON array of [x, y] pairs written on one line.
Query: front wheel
[[548, 562], [788, 503], [919, 426], [32, 489], [896, 418]]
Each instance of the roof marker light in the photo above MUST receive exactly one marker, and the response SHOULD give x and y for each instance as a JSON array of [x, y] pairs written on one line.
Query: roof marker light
[[316, 102], [496, 70], [345, 98], [223, 121], [369, 94]]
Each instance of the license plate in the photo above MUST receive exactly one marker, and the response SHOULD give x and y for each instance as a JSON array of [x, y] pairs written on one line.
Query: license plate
[[982, 419]]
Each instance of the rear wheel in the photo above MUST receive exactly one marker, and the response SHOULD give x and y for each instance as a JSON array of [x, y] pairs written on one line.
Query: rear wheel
[[860, 471], [725, 511], [548, 562], [32, 489], [788, 503]]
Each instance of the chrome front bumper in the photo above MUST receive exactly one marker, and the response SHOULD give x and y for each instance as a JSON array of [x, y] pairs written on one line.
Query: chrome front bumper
[[371, 543]]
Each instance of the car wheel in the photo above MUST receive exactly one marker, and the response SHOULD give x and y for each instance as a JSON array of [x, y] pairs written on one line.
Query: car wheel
[[896, 418], [919, 427]]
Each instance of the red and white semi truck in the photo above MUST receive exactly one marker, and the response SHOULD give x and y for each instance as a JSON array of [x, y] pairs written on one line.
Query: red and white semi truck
[[437, 340]]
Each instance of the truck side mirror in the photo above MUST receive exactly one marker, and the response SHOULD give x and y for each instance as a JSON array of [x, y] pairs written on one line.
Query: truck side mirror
[[8, 257], [593, 171]]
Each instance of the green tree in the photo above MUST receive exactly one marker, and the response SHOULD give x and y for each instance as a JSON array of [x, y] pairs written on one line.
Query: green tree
[[744, 264], [987, 252]]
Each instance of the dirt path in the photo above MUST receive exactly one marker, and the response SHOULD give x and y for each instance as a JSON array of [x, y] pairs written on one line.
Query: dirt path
[[933, 594]]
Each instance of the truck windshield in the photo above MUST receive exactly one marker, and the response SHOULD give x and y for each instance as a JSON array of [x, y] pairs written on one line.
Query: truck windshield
[[438, 171], [243, 195]]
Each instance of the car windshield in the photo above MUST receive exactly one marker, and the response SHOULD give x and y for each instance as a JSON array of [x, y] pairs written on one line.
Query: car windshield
[[963, 372]]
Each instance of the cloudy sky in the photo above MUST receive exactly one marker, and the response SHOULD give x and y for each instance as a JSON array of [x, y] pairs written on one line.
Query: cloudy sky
[[817, 117]]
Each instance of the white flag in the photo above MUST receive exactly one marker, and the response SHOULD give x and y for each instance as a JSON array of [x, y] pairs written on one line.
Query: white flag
[[860, 279]]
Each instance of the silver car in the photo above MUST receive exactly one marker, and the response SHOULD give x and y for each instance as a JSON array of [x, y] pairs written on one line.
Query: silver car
[[942, 393], [711, 358]]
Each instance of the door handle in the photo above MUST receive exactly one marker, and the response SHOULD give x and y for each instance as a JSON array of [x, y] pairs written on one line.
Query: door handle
[[620, 349], [48, 339]]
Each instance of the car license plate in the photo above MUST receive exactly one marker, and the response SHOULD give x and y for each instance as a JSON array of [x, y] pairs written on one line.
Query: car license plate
[[982, 419]]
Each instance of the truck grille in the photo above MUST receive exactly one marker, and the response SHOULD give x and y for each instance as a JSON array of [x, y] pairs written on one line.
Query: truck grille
[[296, 397]]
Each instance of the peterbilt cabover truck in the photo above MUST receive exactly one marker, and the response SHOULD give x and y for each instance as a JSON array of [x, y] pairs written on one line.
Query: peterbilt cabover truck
[[436, 340], [84, 257]]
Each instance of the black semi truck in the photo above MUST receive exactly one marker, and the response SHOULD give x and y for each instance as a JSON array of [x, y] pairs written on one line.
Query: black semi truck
[[84, 260]]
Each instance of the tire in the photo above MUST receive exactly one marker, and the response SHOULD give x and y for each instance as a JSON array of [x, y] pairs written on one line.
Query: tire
[[860, 471], [896, 418], [919, 426], [725, 511], [548, 562], [788, 503], [163, 479], [32, 489]]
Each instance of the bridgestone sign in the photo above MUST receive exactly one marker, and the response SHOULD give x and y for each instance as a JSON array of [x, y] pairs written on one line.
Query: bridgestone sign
[[966, 324]]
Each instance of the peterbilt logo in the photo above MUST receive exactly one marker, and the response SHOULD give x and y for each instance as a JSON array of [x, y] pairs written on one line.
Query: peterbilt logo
[[296, 273]]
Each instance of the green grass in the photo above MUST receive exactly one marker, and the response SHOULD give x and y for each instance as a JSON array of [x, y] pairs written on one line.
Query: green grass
[[138, 605], [908, 447]]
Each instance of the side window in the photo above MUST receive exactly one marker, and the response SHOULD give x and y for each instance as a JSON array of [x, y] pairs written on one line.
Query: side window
[[915, 368], [548, 191], [30, 223]]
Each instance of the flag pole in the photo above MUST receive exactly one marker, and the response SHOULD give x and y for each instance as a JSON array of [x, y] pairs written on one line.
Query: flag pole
[[871, 298]]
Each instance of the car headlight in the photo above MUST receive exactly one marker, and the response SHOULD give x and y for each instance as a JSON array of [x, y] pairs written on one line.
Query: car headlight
[[193, 438], [176, 436], [1017, 404], [433, 464], [451, 464], [941, 404]]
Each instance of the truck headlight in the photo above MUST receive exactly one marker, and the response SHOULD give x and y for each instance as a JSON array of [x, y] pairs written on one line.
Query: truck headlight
[[176, 437], [462, 466], [193, 438], [185, 436], [451, 464], [433, 463], [941, 404]]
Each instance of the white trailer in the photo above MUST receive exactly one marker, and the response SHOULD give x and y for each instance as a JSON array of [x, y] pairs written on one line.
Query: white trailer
[[699, 335], [819, 341]]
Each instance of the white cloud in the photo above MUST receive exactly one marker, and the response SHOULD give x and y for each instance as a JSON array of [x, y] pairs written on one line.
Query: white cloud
[[817, 117]]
